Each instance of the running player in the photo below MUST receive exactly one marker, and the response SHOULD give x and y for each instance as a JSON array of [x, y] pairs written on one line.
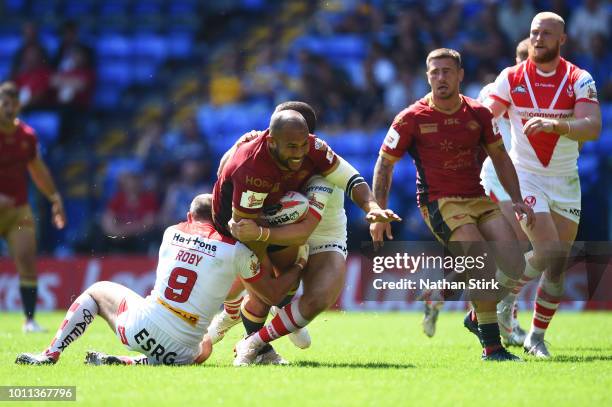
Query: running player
[[552, 105], [511, 332], [196, 268], [19, 155], [445, 133]]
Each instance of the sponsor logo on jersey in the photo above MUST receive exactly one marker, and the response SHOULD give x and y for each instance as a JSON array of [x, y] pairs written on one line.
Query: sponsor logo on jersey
[[530, 201], [313, 202], [252, 200], [320, 144], [196, 243], [262, 183], [319, 188], [586, 82], [392, 138], [519, 89], [452, 122], [545, 85], [428, 128]]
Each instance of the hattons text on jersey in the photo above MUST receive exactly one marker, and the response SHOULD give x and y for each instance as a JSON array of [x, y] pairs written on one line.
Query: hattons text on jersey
[[195, 243]]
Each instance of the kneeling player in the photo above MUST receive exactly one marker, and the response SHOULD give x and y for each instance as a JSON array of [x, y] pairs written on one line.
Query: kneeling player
[[195, 271]]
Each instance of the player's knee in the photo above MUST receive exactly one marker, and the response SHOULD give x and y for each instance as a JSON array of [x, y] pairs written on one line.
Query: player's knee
[[314, 304]]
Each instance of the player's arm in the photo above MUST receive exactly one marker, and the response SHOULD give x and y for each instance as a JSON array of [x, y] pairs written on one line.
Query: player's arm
[[296, 234], [584, 126], [496, 107], [507, 177], [498, 99], [44, 182], [346, 177]]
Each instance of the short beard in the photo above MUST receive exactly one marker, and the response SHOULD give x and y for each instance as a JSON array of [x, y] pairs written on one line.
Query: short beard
[[548, 56]]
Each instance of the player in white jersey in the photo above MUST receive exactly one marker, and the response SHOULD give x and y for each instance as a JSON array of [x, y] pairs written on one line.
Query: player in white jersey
[[552, 105], [196, 268]]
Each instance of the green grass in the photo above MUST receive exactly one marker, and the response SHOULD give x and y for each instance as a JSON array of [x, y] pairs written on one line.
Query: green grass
[[355, 360]]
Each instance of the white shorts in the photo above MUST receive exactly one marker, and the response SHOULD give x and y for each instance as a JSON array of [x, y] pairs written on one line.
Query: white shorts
[[560, 194], [138, 333], [330, 233], [494, 189]]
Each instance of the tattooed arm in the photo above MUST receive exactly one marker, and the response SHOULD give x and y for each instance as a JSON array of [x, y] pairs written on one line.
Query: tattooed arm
[[383, 175]]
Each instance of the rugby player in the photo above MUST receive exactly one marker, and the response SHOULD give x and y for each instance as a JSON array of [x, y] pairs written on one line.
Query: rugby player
[[256, 176], [19, 155], [195, 270], [553, 107], [445, 133]]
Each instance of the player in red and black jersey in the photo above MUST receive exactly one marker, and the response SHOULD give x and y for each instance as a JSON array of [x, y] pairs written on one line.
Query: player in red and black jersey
[[19, 156], [447, 135]]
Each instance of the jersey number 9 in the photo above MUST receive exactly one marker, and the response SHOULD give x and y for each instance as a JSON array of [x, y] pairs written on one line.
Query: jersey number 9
[[180, 284]]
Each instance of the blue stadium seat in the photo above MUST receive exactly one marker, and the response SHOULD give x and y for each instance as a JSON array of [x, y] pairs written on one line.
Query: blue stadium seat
[[5, 69], [144, 72], [15, 6], [107, 97], [182, 7], [118, 73], [10, 44], [351, 142], [77, 8], [50, 42], [180, 45], [46, 125], [149, 46], [113, 46], [114, 168], [111, 8], [232, 120]]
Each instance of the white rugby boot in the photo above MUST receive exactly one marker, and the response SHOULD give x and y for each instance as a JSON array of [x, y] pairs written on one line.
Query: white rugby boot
[[221, 323]]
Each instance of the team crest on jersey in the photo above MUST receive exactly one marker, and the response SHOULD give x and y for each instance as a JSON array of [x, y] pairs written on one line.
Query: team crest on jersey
[[392, 138], [570, 91], [320, 144], [252, 200], [254, 265], [473, 125], [519, 89], [530, 201]]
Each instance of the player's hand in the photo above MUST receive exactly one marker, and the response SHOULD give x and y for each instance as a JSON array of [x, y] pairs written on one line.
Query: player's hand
[[245, 230], [378, 231], [523, 211], [382, 215], [6, 201], [539, 124], [245, 138], [58, 215]]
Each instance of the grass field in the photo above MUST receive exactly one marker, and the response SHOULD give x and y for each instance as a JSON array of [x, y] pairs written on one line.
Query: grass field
[[356, 360]]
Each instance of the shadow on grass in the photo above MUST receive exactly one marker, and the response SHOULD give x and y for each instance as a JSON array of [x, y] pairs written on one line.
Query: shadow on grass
[[356, 365], [579, 358]]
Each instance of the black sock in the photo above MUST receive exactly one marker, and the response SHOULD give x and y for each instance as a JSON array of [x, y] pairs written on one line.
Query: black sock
[[251, 326], [489, 337], [29, 294]]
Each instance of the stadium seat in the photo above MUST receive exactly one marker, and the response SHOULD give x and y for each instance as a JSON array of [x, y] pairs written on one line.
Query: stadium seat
[[15, 6], [5, 69], [114, 168], [149, 46], [180, 45], [118, 73], [107, 97], [77, 8], [46, 125], [10, 45], [113, 46], [144, 72]]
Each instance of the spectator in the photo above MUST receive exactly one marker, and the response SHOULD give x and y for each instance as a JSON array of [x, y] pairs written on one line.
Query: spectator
[[129, 218], [514, 19], [70, 42], [191, 182], [30, 39], [33, 77], [589, 19]]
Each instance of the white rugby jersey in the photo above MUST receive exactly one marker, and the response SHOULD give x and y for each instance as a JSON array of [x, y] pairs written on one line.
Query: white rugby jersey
[[196, 268], [325, 198], [503, 125], [528, 92]]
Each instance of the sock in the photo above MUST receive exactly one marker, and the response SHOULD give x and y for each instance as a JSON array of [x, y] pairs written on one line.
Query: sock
[[489, 331], [289, 319], [253, 323], [29, 294], [80, 314], [544, 309], [134, 360], [529, 274], [232, 306]]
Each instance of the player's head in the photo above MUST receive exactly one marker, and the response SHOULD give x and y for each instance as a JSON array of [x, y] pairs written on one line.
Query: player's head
[[546, 37], [288, 139], [200, 209], [444, 72], [304, 109], [9, 102], [522, 50]]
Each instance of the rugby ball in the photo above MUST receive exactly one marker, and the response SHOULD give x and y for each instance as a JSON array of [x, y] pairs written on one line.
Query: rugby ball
[[291, 208]]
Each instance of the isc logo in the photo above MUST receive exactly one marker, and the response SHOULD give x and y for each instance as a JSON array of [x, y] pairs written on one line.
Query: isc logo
[[451, 122]]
